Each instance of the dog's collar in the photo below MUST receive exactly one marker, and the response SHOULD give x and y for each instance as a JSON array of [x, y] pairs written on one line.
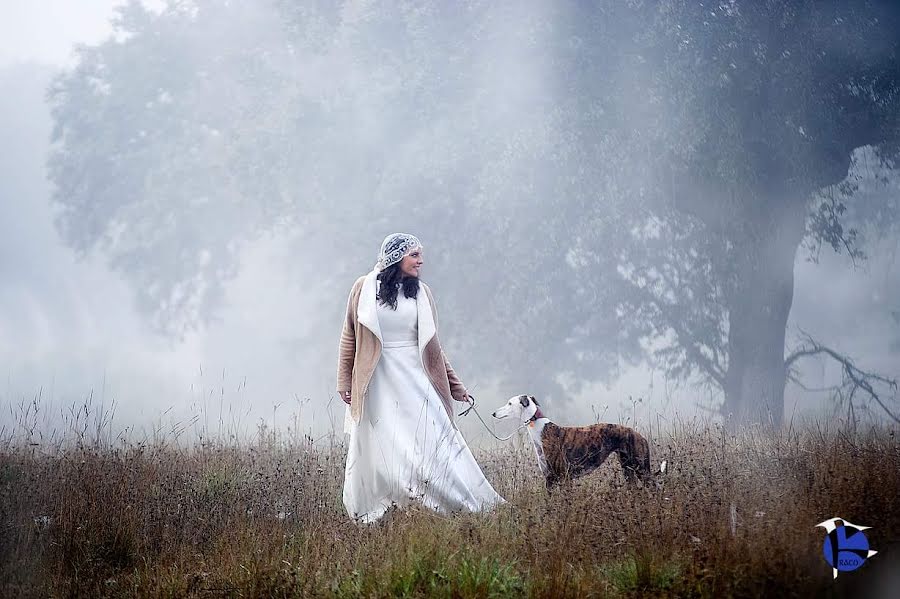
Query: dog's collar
[[533, 419]]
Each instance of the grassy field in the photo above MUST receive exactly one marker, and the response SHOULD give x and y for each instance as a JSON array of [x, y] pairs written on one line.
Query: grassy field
[[735, 517]]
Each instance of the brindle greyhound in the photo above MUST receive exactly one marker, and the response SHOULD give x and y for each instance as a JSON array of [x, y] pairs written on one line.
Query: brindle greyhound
[[565, 453]]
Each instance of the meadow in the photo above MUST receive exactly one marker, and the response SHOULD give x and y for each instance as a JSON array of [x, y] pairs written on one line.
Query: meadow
[[89, 516]]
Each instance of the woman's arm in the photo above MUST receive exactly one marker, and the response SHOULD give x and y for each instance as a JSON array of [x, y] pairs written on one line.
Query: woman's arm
[[347, 350], [457, 389]]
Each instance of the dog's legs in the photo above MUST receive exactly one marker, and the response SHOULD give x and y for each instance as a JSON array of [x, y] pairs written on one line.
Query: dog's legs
[[644, 459], [628, 467], [633, 468], [558, 483], [635, 460], [551, 482]]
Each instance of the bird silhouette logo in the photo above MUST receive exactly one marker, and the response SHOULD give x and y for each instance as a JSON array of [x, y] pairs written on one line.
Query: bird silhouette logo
[[846, 547]]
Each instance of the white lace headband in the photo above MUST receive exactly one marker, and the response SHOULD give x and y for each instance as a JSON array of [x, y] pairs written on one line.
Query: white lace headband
[[394, 247]]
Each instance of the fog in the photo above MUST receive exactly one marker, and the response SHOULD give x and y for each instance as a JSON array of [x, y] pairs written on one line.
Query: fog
[[83, 324]]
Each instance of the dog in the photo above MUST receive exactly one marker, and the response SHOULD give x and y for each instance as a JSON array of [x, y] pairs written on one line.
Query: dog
[[565, 453]]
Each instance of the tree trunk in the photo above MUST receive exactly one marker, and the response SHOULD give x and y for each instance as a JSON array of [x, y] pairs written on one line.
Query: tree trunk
[[759, 305]]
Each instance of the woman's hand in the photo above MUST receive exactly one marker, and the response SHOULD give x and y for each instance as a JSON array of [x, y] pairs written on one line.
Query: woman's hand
[[345, 395], [471, 401]]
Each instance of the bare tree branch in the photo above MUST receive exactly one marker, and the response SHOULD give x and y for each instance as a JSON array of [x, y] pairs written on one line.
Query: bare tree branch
[[858, 378]]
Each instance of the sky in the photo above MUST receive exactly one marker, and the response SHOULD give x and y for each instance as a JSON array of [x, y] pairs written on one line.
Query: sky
[[44, 31], [69, 332]]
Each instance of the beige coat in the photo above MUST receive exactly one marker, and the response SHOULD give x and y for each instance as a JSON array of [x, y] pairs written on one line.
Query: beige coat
[[360, 347]]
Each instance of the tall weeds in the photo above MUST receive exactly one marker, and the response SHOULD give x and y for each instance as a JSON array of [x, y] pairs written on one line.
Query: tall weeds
[[735, 516]]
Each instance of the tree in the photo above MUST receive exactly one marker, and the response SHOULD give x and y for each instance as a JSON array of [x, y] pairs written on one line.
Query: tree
[[769, 103], [742, 137], [622, 179]]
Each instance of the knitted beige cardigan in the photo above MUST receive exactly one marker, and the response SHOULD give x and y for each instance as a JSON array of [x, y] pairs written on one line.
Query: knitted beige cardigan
[[360, 347]]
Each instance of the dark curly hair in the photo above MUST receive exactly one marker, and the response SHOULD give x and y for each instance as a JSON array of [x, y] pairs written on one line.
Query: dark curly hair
[[391, 280]]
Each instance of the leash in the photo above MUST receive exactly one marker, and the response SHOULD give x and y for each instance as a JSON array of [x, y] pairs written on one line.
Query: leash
[[471, 408]]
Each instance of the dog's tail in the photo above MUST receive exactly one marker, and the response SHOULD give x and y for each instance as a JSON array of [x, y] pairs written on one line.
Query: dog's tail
[[662, 468]]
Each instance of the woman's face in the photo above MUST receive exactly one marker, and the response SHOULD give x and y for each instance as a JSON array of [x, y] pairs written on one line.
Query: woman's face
[[411, 263]]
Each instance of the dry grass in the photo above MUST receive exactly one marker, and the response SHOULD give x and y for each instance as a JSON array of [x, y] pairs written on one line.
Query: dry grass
[[735, 517]]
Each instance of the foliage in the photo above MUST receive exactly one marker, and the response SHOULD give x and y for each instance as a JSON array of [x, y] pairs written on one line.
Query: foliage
[[735, 516], [603, 182]]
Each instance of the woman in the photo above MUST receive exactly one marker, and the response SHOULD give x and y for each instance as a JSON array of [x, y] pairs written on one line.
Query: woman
[[400, 389]]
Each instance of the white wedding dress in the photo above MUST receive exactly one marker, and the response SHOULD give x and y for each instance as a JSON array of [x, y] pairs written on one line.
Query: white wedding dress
[[405, 448]]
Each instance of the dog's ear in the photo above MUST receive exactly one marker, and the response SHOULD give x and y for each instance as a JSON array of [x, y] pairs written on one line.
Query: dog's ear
[[523, 399], [531, 397]]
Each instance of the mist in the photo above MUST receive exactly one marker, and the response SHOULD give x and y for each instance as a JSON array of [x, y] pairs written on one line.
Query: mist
[[179, 255]]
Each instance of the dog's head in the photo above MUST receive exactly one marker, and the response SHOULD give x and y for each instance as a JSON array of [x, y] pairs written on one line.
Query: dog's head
[[521, 408]]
